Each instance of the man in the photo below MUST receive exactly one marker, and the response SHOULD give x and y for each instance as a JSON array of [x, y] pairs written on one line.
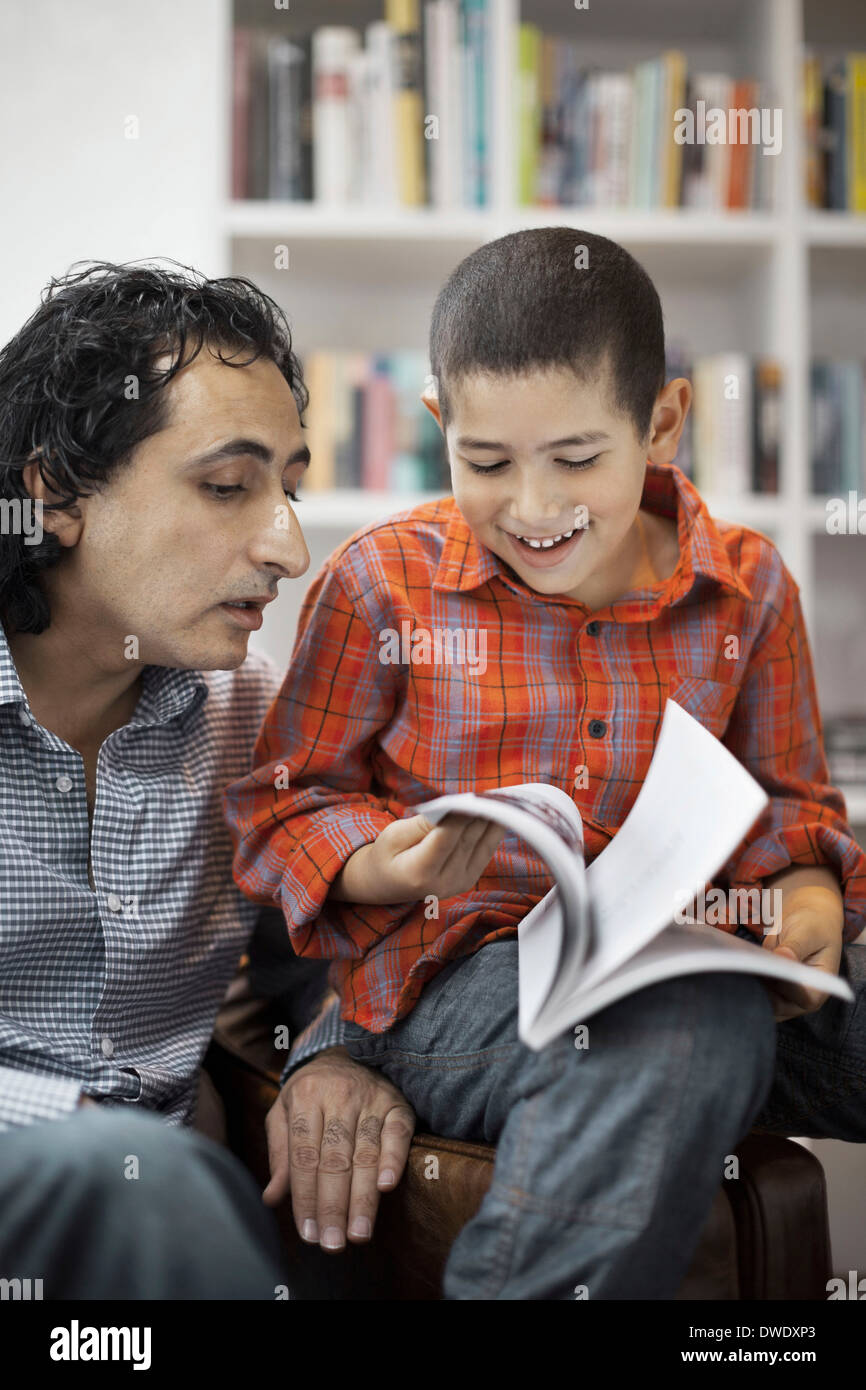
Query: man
[[150, 436]]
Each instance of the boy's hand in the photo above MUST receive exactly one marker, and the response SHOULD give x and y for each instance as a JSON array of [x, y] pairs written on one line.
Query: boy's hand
[[413, 859], [811, 932]]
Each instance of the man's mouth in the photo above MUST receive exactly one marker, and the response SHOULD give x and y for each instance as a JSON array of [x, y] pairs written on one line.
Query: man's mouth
[[246, 611]]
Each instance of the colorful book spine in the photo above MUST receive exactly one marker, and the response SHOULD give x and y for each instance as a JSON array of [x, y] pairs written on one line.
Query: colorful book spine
[[528, 111], [476, 38], [333, 147], [856, 132], [405, 20]]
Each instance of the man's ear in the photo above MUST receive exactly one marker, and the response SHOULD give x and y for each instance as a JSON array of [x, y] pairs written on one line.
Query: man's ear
[[67, 524]]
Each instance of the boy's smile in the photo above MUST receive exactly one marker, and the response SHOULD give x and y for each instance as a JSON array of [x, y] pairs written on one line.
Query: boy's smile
[[550, 478]]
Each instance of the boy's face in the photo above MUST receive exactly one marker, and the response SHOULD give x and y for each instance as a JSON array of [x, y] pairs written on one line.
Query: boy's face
[[536, 456]]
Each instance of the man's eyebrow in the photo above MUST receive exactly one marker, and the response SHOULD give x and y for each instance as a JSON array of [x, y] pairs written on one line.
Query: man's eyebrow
[[246, 448], [467, 441]]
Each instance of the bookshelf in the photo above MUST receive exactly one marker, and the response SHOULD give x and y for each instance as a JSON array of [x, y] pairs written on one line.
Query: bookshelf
[[761, 281]]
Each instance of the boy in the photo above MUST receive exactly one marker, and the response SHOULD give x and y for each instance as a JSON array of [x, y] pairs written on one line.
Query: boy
[[600, 586]]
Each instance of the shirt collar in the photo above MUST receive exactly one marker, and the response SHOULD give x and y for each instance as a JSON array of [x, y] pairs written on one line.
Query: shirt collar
[[166, 692], [465, 563]]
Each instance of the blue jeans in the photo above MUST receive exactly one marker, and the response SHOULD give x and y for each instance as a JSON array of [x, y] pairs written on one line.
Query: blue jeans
[[609, 1156]]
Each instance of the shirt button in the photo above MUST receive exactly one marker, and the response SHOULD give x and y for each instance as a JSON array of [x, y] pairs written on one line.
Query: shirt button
[[107, 1047], [63, 783], [592, 628], [24, 717], [114, 902], [597, 728]]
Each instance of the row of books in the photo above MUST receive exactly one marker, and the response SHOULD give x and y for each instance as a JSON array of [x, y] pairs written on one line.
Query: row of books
[[731, 440], [396, 115], [838, 426], [652, 137], [834, 111], [367, 427]]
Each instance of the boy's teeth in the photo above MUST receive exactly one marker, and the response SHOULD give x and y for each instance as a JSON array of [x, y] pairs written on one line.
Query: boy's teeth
[[551, 540]]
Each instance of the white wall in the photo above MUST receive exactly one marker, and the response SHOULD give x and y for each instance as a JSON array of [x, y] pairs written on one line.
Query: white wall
[[72, 186]]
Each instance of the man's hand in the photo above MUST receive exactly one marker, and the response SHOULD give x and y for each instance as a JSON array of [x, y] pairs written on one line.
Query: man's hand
[[338, 1135], [85, 1100], [412, 858], [811, 932]]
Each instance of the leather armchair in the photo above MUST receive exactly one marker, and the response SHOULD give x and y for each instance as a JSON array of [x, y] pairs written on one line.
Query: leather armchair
[[766, 1237]]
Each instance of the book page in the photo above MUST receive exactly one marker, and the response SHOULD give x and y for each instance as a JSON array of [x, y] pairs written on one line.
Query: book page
[[548, 820], [696, 805]]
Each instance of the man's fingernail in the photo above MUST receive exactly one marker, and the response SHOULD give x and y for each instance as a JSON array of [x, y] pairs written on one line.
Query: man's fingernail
[[311, 1231], [360, 1227], [332, 1238], [386, 1178]]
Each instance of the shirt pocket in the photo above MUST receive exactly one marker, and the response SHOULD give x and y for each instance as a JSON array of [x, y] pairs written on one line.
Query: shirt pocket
[[711, 702]]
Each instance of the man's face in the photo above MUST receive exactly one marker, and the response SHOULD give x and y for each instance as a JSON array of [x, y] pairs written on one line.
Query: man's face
[[538, 456], [174, 534]]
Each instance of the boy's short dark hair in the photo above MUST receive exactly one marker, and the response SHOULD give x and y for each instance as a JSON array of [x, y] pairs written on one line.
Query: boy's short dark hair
[[79, 387], [537, 299]]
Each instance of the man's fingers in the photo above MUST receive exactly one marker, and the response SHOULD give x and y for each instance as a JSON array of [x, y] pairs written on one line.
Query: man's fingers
[[334, 1182], [395, 1141], [364, 1200], [304, 1143], [277, 1131]]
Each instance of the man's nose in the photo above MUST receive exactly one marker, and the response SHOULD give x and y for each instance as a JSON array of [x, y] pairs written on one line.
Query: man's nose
[[279, 542]]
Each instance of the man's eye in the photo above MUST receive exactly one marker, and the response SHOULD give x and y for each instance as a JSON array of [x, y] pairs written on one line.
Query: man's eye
[[223, 491], [487, 467], [292, 495], [582, 463]]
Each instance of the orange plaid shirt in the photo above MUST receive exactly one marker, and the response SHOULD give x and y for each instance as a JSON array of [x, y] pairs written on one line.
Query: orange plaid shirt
[[366, 726]]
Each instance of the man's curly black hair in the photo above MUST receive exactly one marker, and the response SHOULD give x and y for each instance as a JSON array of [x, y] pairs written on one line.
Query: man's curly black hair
[[67, 396]]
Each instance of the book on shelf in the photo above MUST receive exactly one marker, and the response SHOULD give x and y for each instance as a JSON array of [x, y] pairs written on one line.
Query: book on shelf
[[833, 99], [731, 439], [837, 440], [592, 137], [398, 114], [367, 427], [625, 922]]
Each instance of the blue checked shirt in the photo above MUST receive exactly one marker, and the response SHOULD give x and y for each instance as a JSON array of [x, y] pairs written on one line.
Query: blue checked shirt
[[112, 988]]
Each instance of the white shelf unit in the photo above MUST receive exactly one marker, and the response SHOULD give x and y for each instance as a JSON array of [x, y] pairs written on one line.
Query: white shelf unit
[[365, 278]]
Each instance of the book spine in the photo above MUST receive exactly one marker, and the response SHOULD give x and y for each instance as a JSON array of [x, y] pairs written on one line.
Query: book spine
[[528, 112], [672, 153], [767, 415], [241, 58], [332, 134], [404, 18], [477, 25], [856, 132], [835, 109], [812, 118]]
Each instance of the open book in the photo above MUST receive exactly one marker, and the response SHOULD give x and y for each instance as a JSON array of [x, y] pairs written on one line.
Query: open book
[[613, 928]]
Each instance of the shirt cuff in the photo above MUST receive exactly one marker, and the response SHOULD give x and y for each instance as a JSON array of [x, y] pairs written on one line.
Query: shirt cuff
[[28, 1097], [326, 1030]]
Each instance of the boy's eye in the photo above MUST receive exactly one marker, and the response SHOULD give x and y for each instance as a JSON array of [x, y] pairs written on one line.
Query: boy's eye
[[575, 463], [566, 463]]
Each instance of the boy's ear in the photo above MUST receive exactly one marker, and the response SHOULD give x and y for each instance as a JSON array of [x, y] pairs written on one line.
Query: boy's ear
[[430, 398], [669, 417]]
